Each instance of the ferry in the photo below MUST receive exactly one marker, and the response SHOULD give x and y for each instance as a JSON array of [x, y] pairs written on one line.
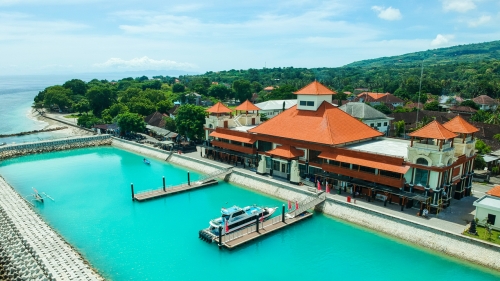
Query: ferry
[[238, 218]]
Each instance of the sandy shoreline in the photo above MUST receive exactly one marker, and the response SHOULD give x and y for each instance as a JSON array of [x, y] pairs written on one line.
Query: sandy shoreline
[[69, 132]]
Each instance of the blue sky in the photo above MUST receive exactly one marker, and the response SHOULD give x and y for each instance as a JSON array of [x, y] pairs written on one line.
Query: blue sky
[[72, 36]]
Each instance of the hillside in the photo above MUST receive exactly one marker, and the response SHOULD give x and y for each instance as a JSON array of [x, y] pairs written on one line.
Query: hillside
[[466, 70], [456, 54]]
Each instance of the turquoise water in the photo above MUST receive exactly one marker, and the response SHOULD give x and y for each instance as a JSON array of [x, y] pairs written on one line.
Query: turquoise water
[[158, 240]]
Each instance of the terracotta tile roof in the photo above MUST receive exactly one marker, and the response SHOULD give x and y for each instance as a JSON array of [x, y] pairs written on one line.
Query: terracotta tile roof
[[155, 119], [495, 191], [484, 99], [268, 88], [233, 137], [433, 130], [459, 125], [327, 125], [365, 163], [374, 96], [462, 109], [315, 88], [286, 151], [219, 108], [247, 106]]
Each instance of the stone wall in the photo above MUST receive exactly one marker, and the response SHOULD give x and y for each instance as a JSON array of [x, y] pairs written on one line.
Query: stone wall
[[15, 150]]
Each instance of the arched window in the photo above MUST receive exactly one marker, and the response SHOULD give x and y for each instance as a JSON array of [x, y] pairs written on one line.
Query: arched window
[[422, 161], [210, 126]]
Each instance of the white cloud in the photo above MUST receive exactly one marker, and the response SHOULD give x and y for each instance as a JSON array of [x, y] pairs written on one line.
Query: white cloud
[[460, 6], [145, 63], [480, 21], [441, 40], [387, 14]]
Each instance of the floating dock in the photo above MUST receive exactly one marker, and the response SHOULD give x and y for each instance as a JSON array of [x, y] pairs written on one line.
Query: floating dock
[[260, 229], [166, 191]]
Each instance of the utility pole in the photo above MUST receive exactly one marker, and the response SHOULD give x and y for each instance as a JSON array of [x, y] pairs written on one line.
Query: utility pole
[[419, 91]]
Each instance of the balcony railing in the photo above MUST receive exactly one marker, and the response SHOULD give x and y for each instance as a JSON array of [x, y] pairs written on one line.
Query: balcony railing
[[364, 175], [431, 146]]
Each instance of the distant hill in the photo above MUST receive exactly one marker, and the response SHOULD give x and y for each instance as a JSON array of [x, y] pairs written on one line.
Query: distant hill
[[456, 54]]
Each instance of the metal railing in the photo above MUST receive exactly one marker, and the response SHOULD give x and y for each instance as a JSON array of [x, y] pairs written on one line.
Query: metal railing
[[253, 228], [307, 204]]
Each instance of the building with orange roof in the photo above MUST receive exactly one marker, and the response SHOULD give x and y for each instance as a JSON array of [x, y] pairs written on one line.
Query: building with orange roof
[[488, 208], [316, 141], [495, 191], [387, 99]]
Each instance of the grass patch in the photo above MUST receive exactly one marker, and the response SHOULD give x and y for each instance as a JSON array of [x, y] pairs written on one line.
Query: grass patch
[[483, 235], [72, 116]]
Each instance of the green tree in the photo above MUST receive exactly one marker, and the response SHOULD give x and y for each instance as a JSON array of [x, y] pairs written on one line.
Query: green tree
[[493, 119], [382, 108], [170, 124], [141, 106], [470, 103], [154, 96], [88, 121], [57, 95], [400, 128], [432, 106], [482, 147], [219, 91], [164, 106], [190, 120], [284, 92], [100, 98], [117, 108], [242, 90], [256, 87], [480, 116], [130, 122], [77, 86], [263, 117], [479, 163], [82, 106], [178, 88], [401, 109]]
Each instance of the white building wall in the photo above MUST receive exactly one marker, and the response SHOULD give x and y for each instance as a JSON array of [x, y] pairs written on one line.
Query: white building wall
[[482, 213], [316, 99]]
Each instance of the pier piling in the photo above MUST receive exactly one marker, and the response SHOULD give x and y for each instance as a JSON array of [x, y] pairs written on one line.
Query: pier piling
[[163, 183], [257, 223], [220, 236], [132, 187], [283, 213], [189, 180]]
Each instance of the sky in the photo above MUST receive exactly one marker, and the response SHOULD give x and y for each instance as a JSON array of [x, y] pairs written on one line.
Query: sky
[[82, 36]]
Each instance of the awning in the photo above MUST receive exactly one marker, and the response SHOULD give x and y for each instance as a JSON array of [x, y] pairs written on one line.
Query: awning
[[365, 163], [490, 158], [286, 151], [231, 137]]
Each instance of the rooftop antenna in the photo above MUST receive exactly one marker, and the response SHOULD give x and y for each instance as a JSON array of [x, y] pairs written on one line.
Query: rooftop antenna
[[419, 90]]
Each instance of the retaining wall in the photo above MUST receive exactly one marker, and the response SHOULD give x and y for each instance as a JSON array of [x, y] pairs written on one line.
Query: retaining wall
[[16, 150]]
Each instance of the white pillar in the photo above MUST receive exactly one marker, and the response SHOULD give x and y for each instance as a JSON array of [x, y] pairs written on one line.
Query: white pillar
[[294, 172]]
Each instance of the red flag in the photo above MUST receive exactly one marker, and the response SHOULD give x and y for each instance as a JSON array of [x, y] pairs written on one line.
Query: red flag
[[296, 205], [319, 185], [289, 205], [327, 188], [227, 226]]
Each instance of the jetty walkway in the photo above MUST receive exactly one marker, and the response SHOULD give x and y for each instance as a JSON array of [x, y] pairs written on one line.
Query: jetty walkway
[[208, 180], [261, 229]]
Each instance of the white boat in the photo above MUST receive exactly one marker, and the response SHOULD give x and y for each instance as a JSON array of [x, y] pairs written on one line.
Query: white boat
[[237, 218], [146, 161]]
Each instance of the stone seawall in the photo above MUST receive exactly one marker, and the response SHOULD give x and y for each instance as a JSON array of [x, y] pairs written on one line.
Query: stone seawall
[[30, 249], [16, 150], [448, 243]]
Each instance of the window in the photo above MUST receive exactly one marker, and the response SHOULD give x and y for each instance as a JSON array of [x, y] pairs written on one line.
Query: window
[[283, 167], [390, 174], [310, 103], [302, 102], [345, 165], [355, 167], [276, 165], [372, 125], [379, 124], [422, 161], [491, 218], [265, 146], [385, 123], [367, 169], [421, 177]]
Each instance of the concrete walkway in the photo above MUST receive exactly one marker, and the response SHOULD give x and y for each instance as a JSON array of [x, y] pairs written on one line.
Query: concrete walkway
[[453, 219], [57, 257]]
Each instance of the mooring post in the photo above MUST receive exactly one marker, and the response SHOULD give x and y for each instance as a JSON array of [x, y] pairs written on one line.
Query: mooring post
[[257, 224], [220, 236], [283, 213], [189, 181], [163, 183], [132, 187]]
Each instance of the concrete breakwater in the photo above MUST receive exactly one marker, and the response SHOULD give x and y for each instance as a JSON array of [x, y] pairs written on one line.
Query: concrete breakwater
[[452, 244], [16, 150], [30, 249], [33, 132]]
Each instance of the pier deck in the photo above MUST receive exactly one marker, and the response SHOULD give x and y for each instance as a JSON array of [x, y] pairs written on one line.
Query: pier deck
[[165, 191], [269, 227]]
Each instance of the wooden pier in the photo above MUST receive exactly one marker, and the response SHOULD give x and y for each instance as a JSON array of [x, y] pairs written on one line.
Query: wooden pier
[[260, 229], [166, 191]]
